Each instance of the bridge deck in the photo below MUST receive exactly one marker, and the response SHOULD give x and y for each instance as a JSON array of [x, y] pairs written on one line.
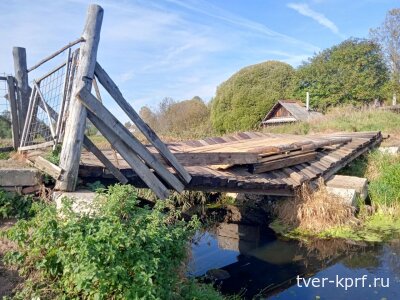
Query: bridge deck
[[238, 177]]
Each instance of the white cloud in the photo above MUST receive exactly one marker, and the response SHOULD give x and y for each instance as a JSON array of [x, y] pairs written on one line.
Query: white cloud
[[305, 10]]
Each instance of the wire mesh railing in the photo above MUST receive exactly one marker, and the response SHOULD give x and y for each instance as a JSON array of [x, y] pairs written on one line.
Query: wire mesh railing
[[48, 104]]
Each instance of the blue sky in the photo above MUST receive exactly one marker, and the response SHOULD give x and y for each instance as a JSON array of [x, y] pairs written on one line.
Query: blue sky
[[184, 48]]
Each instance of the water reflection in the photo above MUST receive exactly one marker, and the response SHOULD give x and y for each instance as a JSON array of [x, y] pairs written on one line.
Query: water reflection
[[253, 262]]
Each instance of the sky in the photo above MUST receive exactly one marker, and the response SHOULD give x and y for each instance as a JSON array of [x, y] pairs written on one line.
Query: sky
[[185, 48]]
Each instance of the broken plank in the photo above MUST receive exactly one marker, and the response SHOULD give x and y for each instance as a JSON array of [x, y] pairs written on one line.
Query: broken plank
[[214, 158], [130, 157], [88, 144], [282, 163], [114, 91], [47, 167], [107, 118]]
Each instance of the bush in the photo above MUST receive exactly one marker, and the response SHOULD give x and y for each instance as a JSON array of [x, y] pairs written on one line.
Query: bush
[[15, 206], [120, 251], [244, 99]]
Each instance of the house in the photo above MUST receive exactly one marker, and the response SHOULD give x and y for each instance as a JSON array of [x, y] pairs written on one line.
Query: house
[[288, 111]]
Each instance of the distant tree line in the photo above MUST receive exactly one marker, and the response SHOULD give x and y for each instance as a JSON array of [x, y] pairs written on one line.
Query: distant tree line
[[356, 71]]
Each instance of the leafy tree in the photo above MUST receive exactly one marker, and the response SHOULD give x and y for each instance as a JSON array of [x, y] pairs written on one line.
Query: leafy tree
[[128, 124], [243, 100], [388, 36], [351, 72], [184, 119]]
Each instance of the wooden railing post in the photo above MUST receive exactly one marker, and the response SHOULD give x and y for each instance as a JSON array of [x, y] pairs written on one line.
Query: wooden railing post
[[23, 89], [76, 121], [15, 128]]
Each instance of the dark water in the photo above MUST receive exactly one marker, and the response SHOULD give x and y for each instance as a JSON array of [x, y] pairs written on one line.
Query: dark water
[[255, 264]]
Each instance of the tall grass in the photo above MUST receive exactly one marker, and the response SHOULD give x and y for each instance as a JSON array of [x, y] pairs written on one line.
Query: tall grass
[[314, 211], [345, 118]]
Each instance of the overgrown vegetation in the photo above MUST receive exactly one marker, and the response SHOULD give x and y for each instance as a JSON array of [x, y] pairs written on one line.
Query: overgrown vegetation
[[120, 251], [13, 205], [314, 211], [345, 118], [376, 222]]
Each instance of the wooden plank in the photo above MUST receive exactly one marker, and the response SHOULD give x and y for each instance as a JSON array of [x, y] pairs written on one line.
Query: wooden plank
[[282, 163], [97, 109], [14, 111], [284, 155], [113, 90], [76, 121], [64, 98], [36, 146], [71, 44], [206, 159], [29, 116], [47, 167], [88, 144], [130, 157]]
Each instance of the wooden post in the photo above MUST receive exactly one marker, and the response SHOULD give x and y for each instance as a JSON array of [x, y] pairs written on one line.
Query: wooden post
[[23, 89], [14, 112], [394, 100], [76, 122]]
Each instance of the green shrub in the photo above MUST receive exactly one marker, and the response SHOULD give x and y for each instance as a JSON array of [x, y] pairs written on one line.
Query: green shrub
[[15, 206], [120, 251], [244, 99]]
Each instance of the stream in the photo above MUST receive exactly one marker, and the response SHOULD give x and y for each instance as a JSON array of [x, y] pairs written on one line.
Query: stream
[[252, 262]]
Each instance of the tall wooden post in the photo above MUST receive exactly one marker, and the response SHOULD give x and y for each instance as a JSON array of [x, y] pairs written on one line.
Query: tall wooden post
[[23, 89], [76, 122], [15, 129]]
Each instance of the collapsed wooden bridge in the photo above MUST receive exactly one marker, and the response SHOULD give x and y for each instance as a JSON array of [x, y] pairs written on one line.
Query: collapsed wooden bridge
[[247, 162]]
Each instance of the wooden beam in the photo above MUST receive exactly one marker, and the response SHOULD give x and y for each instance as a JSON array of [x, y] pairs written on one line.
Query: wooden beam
[[14, 111], [114, 91], [21, 77], [282, 163], [97, 108], [47, 167], [213, 158], [130, 157], [71, 44], [76, 122], [36, 146], [88, 144]]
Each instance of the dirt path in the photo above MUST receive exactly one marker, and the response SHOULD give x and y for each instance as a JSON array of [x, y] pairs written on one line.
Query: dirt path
[[9, 278]]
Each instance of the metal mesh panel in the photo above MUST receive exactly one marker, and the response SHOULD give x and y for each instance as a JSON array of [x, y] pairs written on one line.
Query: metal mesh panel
[[5, 115], [52, 90], [47, 102]]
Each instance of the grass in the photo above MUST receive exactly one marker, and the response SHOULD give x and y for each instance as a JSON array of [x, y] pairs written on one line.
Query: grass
[[314, 211], [377, 222], [345, 119]]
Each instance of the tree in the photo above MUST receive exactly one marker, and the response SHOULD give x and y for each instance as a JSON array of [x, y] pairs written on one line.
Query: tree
[[388, 36], [243, 100], [184, 119], [128, 124], [351, 72]]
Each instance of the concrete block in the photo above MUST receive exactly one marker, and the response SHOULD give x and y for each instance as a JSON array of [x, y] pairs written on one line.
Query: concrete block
[[389, 150], [359, 184], [10, 177], [349, 196], [81, 200]]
